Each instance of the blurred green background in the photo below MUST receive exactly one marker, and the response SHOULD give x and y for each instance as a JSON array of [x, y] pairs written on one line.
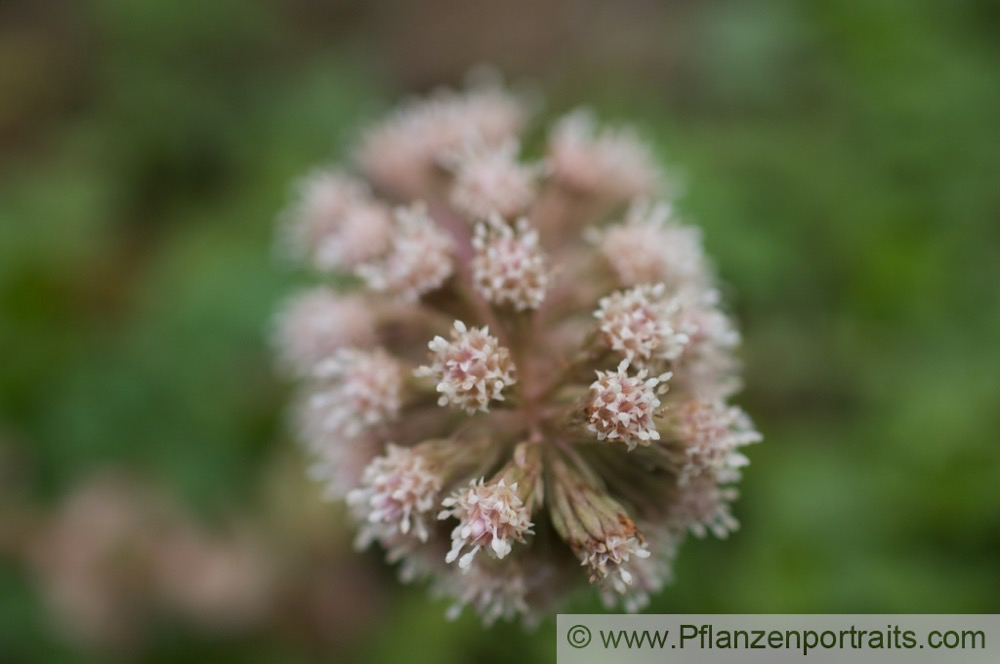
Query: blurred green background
[[843, 158]]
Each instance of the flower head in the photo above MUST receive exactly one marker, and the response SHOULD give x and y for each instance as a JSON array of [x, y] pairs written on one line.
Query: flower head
[[622, 407], [491, 181], [316, 323], [509, 266], [324, 199], [711, 434], [646, 574], [337, 462], [650, 247], [596, 527], [493, 591], [398, 491], [490, 515], [363, 233], [405, 153], [418, 259], [708, 366], [471, 370], [614, 552], [705, 506], [642, 323], [357, 390], [610, 162]]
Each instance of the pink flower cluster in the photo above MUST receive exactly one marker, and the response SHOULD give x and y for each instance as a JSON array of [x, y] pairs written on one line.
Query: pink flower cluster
[[519, 349]]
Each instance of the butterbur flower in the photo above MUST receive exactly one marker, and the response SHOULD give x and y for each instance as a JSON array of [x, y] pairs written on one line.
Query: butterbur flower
[[509, 267], [318, 322], [471, 370], [491, 181], [610, 162], [642, 323], [596, 527], [364, 233], [495, 591], [528, 386], [493, 515], [418, 260], [357, 390], [335, 224], [709, 367], [336, 463], [704, 505], [405, 153], [324, 198], [647, 574], [400, 491], [650, 246], [397, 491], [711, 434], [623, 407]]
